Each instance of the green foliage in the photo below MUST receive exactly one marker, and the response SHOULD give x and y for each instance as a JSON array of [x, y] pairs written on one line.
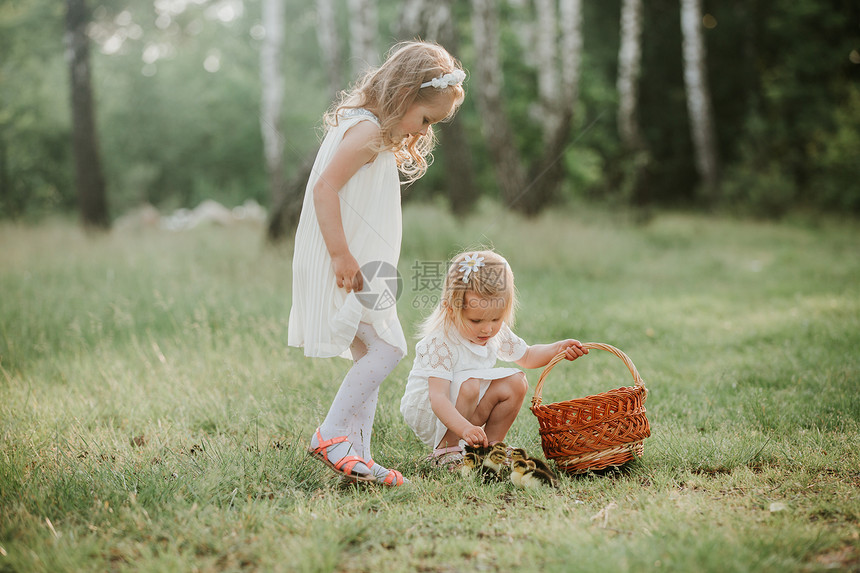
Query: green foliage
[[834, 158], [35, 138], [791, 142], [152, 418], [783, 86]]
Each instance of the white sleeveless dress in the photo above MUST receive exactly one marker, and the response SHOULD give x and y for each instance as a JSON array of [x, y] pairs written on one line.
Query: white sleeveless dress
[[324, 318]]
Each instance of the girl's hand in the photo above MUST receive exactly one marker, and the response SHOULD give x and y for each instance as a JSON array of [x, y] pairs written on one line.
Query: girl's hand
[[475, 436], [572, 349], [348, 273]]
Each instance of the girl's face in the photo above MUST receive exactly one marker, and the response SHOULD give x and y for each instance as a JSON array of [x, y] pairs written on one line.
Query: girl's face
[[481, 318], [422, 115]]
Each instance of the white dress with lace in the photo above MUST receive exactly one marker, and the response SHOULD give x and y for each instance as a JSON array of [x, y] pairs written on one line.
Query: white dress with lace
[[447, 355], [324, 318]]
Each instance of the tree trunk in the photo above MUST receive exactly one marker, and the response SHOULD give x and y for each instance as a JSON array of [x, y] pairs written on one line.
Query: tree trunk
[[328, 39], [629, 66], [551, 43], [432, 20], [634, 158], [92, 195], [570, 18], [555, 52], [271, 104], [497, 131], [5, 187], [698, 96], [546, 61], [287, 206], [363, 31]]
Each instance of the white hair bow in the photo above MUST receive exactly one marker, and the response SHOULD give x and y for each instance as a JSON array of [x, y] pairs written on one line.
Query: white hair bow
[[451, 79]]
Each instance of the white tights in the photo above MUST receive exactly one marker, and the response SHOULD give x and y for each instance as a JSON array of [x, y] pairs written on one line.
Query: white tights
[[354, 405]]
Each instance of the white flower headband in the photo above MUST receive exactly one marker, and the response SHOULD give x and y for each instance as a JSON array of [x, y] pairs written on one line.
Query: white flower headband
[[452, 79], [470, 264]]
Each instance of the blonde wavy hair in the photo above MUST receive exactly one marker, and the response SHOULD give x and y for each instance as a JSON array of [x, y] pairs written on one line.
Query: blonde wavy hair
[[391, 89], [493, 281]]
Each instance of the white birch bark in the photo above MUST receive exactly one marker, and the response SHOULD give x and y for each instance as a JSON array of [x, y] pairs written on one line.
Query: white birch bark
[[272, 86], [329, 45], [488, 89], [570, 20], [525, 30], [438, 18], [424, 18], [363, 30], [551, 43], [698, 94], [546, 57], [411, 18], [629, 66]]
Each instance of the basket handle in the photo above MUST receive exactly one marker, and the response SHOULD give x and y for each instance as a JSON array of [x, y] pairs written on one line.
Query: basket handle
[[637, 379]]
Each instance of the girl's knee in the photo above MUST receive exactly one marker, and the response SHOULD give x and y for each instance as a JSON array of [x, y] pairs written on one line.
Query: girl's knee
[[518, 385], [470, 389]]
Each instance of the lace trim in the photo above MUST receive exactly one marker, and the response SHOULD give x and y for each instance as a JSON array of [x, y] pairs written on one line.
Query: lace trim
[[509, 345], [360, 111], [436, 355]]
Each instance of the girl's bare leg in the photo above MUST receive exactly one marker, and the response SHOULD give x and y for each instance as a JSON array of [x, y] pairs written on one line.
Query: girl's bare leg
[[500, 406], [467, 401]]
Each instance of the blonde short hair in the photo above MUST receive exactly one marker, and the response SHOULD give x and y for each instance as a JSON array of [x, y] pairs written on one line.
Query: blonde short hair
[[494, 280], [392, 88]]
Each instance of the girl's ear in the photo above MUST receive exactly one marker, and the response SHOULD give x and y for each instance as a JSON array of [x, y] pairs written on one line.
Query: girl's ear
[[448, 309]]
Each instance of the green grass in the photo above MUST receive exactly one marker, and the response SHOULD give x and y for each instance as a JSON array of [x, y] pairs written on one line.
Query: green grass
[[152, 417]]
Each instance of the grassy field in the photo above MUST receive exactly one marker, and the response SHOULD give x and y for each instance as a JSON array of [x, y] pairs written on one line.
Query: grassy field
[[152, 417]]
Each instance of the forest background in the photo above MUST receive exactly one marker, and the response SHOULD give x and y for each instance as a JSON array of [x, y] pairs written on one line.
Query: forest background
[[179, 96]]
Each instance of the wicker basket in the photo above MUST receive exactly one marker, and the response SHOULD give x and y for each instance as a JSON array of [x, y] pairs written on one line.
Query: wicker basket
[[594, 432]]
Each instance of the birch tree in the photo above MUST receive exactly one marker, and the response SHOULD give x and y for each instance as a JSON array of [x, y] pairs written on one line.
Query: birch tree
[[363, 31], [634, 157], [629, 67], [272, 88], [327, 36], [433, 21], [488, 76], [90, 182], [286, 207], [698, 96], [552, 44]]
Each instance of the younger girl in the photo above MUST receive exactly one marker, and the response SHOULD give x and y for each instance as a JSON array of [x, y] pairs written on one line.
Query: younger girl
[[454, 391], [351, 218]]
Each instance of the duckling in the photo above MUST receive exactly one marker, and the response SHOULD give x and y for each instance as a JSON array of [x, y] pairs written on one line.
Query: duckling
[[518, 469], [520, 454], [471, 462], [480, 451], [492, 466], [535, 478]]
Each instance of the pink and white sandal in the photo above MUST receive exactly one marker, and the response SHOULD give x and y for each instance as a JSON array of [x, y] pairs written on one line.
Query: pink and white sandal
[[345, 465], [386, 476], [450, 458]]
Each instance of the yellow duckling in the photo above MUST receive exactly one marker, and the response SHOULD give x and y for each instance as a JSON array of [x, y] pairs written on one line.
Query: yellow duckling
[[535, 479], [520, 454], [493, 464], [471, 462], [518, 469], [480, 451]]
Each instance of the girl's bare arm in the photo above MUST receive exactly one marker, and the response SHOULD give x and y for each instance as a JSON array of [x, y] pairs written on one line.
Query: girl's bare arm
[[353, 152]]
